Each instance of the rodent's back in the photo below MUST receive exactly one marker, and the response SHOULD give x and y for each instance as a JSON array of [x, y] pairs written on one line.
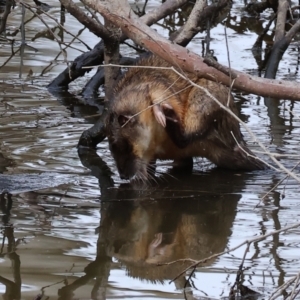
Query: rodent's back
[[196, 124]]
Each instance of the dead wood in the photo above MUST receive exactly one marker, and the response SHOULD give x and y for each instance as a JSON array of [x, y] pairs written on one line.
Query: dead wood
[[200, 16], [111, 56], [90, 58], [97, 133], [122, 15], [91, 88], [282, 40], [97, 28], [96, 56], [283, 7]]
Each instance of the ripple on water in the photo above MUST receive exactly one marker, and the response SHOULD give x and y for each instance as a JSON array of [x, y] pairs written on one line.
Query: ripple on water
[[78, 233]]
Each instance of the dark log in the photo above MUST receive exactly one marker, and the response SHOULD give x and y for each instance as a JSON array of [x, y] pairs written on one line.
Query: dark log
[[96, 134], [91, 88], [91, 58]]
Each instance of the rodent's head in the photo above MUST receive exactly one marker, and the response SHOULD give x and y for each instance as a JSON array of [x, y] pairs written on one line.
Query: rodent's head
[[129, 135]]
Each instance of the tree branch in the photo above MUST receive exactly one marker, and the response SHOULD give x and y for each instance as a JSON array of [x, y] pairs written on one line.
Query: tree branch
[[121, 14], [188, 30], [198, 19], [97, 28], [95, 56], [283, 6]]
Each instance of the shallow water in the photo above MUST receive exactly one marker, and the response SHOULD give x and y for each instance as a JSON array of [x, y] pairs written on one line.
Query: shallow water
[[88, 235]]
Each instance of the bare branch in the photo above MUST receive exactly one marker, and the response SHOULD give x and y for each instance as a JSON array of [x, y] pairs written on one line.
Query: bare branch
[[121, 14], [162, 11], [95, 56], [95, 27], [198, 19], [188, 29], [283, 6]]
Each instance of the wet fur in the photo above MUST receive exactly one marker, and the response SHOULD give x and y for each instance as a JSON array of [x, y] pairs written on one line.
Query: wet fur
[[195, 125]]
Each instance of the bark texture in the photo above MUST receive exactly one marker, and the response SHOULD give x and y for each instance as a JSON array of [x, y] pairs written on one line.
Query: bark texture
[[121, 15]]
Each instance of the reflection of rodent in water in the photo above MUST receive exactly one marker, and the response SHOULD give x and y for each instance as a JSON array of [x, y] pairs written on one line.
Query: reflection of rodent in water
[[183, 123]]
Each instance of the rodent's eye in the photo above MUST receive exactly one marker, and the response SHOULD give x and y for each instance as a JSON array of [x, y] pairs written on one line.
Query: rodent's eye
[[122, 119]]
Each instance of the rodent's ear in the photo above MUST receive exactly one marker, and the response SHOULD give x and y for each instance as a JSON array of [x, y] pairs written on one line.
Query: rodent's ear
[[122, 119]]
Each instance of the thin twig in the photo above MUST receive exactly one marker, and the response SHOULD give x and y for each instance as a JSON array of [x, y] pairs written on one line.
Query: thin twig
[[50, 30], [229, 65], [293, 293], [277, 293], [62, 27]]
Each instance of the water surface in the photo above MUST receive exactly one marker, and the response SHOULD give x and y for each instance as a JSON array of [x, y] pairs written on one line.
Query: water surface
[[88, 235]]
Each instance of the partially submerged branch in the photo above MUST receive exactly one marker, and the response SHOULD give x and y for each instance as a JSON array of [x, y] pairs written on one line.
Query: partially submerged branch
[[280, 42], [93, 57]]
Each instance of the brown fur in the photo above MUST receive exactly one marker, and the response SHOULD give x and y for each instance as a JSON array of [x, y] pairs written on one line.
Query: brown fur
[[195, 125]]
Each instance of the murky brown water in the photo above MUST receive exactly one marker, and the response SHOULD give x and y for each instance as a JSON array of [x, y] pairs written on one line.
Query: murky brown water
[[88, 238]]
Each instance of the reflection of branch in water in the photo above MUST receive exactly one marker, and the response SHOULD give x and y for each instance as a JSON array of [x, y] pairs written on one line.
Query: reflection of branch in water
[[98, 269], [40, 296], [22, 48], [281, 291], [240, 270], [13, 288], [257, 47], [5, 205]]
